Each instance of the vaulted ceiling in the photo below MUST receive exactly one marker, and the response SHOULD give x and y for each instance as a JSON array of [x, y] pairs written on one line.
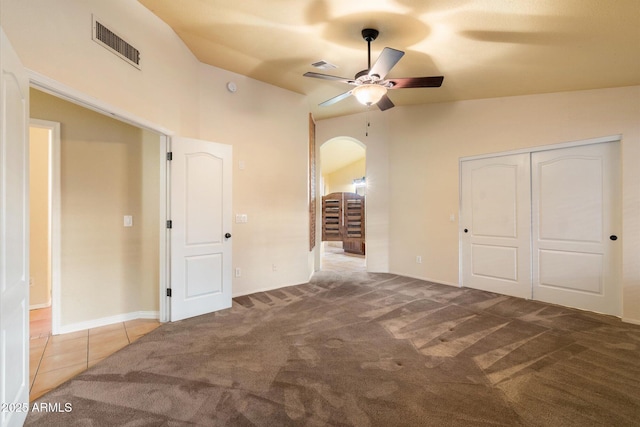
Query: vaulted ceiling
[[484, 48]]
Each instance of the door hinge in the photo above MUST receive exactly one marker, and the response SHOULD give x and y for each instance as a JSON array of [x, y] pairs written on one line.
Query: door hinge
[[168, 292], [169, 224], [170, 156]]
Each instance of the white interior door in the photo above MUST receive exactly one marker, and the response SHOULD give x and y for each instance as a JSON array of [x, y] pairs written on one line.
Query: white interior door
[[14, 238], [495, 225], [576, 216], [201, 226]]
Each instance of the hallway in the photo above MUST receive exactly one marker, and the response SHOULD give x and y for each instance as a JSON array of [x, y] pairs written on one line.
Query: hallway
[[336, 259]]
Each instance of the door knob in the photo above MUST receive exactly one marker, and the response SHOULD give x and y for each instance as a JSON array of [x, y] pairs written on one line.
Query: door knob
[[227, 235], [466, 230], [613, 237]]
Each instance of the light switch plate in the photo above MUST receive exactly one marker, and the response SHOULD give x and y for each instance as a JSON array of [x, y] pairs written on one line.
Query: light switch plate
[[128, 221]]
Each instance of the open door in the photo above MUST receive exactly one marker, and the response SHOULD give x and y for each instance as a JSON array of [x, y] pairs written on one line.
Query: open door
[[200, 227], [14, 238]]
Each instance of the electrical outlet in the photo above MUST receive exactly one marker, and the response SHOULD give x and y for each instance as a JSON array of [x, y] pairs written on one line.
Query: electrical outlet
[[418, 259], [238, 272], [274, 267]]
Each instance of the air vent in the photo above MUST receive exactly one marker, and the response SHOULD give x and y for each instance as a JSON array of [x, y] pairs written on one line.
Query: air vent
[[110, 40], [324, 65]]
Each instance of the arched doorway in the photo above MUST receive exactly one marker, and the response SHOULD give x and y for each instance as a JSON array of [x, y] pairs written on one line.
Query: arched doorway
[[343, 178]]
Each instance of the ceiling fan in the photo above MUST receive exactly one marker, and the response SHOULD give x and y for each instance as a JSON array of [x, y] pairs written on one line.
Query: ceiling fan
[[370, 84]]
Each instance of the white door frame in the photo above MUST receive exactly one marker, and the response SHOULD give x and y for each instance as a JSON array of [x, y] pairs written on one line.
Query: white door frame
[[578, 143], [55, 88]]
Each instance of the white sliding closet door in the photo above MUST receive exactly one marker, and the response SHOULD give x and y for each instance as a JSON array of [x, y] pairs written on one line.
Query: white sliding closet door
[[545, 225], [576, 225], [496, 225]]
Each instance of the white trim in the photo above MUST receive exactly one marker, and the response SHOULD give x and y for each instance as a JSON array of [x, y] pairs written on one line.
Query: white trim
[[164, 252], [265, 289], [600, 140], [39, 306], [110, 320], [425, 279], [55, 228], [60, 90]]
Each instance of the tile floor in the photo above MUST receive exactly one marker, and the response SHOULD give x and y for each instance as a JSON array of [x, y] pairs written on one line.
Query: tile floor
[[336, 259], [55, 359]]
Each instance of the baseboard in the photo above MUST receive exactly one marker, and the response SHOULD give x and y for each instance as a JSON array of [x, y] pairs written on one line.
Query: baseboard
[[104, 321], [632, 321], [266, 289], [39, 306], [426, 279]]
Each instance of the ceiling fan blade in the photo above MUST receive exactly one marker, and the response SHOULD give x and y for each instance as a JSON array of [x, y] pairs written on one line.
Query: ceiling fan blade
[[335, 99], [385, 103], [409, 82], [385, 62], [327, 77]]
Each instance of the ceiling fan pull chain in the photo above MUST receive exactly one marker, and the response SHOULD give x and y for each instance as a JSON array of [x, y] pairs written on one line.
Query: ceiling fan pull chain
[[367, 122]]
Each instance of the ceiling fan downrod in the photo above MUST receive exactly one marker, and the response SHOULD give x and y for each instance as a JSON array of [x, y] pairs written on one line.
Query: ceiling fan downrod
[[369, 35]]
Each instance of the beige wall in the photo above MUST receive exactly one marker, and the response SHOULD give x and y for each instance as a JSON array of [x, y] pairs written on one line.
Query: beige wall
[[39, 255], [48, 33], [426, 142], [108, 169], [267, 126], [341, 180], [149, 289]]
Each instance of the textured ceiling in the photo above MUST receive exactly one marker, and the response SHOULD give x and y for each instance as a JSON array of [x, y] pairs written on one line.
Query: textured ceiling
[[484, 48]]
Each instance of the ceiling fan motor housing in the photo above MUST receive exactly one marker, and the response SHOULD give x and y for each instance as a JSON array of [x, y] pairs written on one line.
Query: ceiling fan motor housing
[[369, 34]]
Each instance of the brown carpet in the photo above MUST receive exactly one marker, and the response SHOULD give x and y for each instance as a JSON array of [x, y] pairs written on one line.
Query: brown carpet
[[366, 350]]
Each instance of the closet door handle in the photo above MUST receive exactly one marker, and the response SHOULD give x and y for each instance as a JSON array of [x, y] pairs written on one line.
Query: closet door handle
[[613, 237], [227, 236], [466, 230]]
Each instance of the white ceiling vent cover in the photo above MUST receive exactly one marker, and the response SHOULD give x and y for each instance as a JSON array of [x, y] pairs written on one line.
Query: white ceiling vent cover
[[324, 65], [114, 43]]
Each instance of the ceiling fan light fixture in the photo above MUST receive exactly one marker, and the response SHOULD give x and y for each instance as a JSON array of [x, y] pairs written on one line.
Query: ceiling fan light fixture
[[368, 94]]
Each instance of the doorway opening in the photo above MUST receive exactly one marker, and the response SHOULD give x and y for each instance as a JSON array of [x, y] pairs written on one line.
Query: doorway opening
[[343, 210], [107, 178], [44, 162]]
